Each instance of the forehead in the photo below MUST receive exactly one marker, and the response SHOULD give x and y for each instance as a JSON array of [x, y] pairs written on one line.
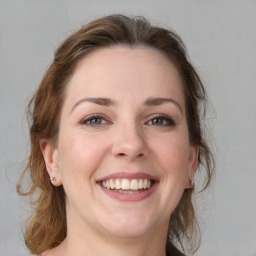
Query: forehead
[[124, 72]]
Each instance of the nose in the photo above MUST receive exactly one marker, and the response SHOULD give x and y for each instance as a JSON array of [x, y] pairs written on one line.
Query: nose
[[130, 143]]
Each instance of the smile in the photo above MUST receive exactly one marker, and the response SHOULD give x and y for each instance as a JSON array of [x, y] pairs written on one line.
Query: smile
[[127, 185]]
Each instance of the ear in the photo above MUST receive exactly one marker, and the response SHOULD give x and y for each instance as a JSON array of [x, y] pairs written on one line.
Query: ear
[[193, 161], [51, 158]]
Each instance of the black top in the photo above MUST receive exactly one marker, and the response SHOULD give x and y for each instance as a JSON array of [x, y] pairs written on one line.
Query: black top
[[171, 250]]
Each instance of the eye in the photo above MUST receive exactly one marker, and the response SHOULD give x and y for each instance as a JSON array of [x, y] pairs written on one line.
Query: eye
[[94, 120], [161, 120]]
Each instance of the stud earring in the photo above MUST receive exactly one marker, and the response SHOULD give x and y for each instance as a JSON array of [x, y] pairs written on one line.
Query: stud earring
[[52, 179], [191, 182]]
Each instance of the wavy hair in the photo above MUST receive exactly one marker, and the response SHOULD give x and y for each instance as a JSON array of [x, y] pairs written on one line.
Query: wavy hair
[[46, 226]]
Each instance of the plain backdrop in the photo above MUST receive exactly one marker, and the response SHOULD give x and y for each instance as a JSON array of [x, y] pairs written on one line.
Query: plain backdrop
[[221, 41]]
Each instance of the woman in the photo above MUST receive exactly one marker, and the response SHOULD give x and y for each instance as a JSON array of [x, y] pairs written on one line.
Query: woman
[[116, 140]]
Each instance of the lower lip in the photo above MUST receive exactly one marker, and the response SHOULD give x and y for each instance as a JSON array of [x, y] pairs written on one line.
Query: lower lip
[[129, 197]]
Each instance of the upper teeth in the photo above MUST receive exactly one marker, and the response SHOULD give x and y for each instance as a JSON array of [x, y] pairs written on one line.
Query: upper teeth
[[126, 184]]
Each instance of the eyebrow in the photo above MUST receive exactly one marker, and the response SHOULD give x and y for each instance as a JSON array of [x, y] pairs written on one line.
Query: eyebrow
[[160, 101], [108, 102], [99, 101]]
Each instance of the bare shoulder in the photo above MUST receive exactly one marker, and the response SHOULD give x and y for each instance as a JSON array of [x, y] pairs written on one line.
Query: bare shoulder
[[56, 251], [49, 252], [45, 253]]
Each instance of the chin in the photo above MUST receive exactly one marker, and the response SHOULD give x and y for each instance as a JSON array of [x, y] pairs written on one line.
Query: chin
[[131, 225], [128, 231]]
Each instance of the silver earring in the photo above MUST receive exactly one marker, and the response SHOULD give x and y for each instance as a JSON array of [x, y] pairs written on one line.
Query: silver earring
[[191, 182], [52, 179]]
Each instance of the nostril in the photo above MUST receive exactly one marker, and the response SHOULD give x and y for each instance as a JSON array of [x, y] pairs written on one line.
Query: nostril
[[141, 155]]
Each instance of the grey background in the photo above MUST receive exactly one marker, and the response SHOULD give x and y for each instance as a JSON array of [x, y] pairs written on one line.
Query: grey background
[[221, 39]]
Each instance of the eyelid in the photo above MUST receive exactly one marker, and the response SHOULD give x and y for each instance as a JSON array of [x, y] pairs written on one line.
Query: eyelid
[[167, 118], [94, 116], [162, 116]]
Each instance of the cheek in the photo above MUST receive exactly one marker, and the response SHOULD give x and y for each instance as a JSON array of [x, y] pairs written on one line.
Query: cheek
[[174, 155], [80, 155]]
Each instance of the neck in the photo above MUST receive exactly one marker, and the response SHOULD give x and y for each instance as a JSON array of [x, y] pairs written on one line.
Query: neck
[[82, 240], [99, 247]]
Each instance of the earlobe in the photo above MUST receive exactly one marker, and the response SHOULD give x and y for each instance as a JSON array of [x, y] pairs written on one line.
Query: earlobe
[[50, 154]]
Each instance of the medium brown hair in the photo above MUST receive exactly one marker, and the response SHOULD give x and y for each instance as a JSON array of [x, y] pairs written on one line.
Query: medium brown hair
[[46, 227]]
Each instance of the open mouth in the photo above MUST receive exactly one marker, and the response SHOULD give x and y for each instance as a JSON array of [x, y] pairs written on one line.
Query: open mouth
[[127, 186]]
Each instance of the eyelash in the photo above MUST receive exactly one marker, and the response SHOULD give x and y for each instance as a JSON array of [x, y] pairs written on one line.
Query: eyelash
[[168, 121], [88, 119]]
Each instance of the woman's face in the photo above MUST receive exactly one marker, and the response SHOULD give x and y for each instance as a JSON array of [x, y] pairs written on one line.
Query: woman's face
[[123, 154]]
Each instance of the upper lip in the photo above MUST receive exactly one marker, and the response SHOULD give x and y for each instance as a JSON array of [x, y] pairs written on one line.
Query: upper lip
[[128, 175]]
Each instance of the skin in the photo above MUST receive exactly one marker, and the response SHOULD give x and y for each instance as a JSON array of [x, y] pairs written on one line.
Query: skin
[[128, 138]]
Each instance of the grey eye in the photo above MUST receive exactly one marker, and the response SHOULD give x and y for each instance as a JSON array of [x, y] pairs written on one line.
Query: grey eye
[[161, 121], [94, 121]]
